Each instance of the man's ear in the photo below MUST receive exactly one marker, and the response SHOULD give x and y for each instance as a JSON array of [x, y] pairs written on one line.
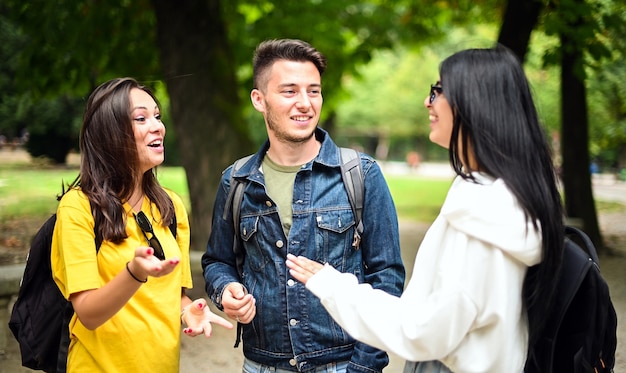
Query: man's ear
[[256, 96]]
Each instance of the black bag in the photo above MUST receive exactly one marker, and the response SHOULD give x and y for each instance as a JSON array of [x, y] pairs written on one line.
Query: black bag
[[581, 332], [38, 317], [41, 315]]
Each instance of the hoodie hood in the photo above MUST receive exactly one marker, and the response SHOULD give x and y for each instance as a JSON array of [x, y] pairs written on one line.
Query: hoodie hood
[[500, 222]]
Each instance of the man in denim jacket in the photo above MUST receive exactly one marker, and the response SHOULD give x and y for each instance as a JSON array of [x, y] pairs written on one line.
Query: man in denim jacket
[[295, 202]]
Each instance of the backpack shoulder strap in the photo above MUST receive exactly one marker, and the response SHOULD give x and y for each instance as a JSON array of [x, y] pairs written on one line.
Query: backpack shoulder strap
[[583, 241], [233, 201], [234, 183], [174, 223], [352, 175], [173, 226]]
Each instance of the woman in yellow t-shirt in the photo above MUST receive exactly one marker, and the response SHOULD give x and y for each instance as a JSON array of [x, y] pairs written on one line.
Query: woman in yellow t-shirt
[[129, 296]]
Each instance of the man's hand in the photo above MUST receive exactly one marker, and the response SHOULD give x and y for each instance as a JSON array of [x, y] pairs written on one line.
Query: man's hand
[[199, 317], [238, 304]]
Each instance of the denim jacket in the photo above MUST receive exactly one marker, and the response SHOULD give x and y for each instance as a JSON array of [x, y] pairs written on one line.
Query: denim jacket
[[291, 329]]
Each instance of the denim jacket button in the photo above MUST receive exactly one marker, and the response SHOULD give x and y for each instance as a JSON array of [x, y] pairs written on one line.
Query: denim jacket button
[[290, 282], [293, 322], [268, 203], [292, 362], [279, 244]]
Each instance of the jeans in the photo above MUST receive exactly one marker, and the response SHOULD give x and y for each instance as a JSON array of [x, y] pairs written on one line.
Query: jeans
[[250, 366], [433, 366]]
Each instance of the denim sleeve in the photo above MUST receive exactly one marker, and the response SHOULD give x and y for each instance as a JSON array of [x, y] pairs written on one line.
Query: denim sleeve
[[381, 256], [218, 262]]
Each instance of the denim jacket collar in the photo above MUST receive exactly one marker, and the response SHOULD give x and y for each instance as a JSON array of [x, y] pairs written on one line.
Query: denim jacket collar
[[328, 156]]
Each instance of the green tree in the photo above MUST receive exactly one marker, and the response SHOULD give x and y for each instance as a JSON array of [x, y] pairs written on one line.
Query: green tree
[[53, 126], [607, 97], [580, 26], [383, 111], [10, 102], [201, 50], [607, 112]]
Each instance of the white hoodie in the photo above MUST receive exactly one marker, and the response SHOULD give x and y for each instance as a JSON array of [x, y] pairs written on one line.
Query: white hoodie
[[463, 303]]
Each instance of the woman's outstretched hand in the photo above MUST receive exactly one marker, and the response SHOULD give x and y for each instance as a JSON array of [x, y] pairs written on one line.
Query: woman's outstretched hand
[[302, 268], [198, 318]]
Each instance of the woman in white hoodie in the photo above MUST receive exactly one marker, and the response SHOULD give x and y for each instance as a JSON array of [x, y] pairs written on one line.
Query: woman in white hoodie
[[472, 304]]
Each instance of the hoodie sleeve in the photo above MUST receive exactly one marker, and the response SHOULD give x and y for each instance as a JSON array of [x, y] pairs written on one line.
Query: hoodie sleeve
[[463, 299], [392, 323]]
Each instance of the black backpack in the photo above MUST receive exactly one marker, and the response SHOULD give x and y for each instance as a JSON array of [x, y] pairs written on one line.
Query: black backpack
[[41, 315], [352, 176], [580, 335]]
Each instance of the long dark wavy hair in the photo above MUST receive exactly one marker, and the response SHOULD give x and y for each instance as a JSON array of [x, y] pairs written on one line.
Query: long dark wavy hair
[[496, 120], [109, 161]]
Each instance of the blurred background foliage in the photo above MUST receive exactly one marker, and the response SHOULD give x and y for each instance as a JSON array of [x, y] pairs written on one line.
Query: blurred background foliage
[[382, 54], [378, 102]]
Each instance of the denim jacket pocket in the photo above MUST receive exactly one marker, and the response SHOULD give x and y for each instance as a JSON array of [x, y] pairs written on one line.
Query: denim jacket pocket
[[249, 233], [337, 221], [335, 229], [248, 227]]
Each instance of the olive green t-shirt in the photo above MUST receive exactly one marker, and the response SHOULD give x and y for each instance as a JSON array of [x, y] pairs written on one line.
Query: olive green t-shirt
[[279, 182]]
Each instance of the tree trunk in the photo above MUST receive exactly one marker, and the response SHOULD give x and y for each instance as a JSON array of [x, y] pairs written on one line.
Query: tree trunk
[[579, 203], [199, 71], [520, 18]]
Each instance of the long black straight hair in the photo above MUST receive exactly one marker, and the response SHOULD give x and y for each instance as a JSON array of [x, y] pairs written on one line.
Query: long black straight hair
[[496, 120]]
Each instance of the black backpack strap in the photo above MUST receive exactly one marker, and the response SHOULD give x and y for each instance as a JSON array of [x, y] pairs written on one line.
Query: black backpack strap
[[174, 223], [237, 247], [233, 203], [583, 241], [64, 343], [352, 175], [233, 184]]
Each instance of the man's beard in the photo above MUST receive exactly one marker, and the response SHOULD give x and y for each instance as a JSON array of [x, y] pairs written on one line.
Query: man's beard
[[281, 133]]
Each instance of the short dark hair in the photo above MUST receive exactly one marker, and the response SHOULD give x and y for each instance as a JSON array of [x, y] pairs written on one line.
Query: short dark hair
[[270, 51]]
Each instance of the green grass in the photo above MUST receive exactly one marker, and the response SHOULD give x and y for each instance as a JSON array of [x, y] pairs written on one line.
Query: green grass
[[175, 179], [32, 191], [28, 191], [417, 199]]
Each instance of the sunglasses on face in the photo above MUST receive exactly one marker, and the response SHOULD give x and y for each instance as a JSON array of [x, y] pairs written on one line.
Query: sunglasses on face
[[146, 227], [435, 91]]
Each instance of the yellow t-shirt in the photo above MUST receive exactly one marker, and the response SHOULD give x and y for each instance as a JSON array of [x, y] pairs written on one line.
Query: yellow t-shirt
[[143, 336]]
